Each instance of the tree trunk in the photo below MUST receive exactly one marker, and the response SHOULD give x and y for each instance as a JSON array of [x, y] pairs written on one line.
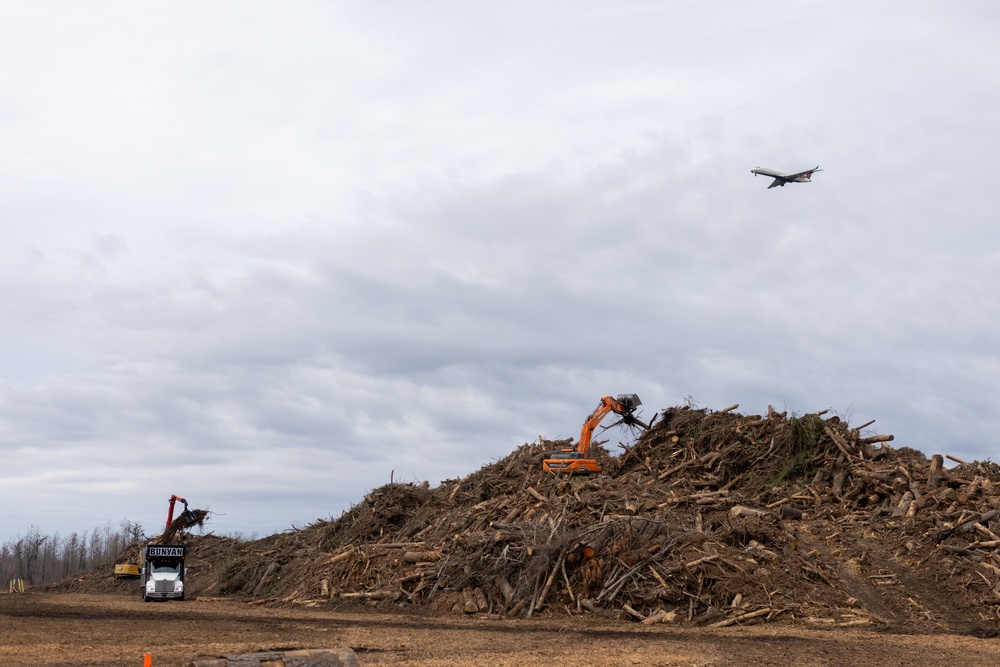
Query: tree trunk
[[328, 657]]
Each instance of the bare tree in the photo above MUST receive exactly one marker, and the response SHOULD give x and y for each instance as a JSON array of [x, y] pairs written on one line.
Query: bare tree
[[83, 562], [28, 551], [40, 559], [70, 555]]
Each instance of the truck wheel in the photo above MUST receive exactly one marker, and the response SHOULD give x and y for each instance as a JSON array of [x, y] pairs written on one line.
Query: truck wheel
[[146, 598]]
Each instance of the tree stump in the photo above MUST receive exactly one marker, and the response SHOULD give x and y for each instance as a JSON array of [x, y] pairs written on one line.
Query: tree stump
[[323, 657]]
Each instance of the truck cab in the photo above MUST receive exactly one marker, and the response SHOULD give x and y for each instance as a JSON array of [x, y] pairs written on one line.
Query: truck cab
[[163, 571]]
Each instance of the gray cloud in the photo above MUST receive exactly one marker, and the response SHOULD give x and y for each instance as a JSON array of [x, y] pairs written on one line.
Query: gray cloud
[[269, 259]]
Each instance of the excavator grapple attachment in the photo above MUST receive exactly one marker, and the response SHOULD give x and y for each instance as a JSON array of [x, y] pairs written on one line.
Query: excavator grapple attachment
[[630, 402]]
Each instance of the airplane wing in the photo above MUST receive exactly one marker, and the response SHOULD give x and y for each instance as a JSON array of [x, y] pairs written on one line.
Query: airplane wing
[[776, 183], [807, 173]]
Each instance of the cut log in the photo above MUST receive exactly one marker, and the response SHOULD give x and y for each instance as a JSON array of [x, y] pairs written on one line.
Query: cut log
[[838, 482], [386, 594], [983, 530], [699, 561], [421, 556], [654, 618], [742, 617], [790, 512], [903, 506], [989, 544], [966, 525], [397, 545], [536, 494], [839, 441], [325, 657], [936, 469], [888, 437], [344, 555], [633, 612], [740, 510]]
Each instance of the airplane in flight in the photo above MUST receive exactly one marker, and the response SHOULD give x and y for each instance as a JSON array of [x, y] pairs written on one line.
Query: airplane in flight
[[780, 177]]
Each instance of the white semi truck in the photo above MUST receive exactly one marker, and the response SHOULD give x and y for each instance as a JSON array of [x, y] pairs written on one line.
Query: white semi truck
[[162, 573]]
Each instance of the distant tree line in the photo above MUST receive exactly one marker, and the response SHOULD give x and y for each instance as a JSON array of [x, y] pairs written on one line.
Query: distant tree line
[[43, 559]]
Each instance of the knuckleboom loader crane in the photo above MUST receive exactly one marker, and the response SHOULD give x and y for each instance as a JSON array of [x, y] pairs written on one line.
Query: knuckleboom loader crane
[[132, 570], [171, 530], [576, 460]]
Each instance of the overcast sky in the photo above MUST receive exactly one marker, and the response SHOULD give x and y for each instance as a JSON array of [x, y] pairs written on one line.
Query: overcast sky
[[268, 256]]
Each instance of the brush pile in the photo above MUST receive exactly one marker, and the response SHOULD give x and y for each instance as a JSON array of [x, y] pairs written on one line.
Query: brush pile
[[187, 520], [711, 518]]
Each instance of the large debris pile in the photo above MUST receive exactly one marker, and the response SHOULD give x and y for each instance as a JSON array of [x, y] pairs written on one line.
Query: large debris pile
[[710, 518]]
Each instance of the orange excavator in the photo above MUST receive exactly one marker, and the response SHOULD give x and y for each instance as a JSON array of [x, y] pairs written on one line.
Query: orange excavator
[[576, 460]]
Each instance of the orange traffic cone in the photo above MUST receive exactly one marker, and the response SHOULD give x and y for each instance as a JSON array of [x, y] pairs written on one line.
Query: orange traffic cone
[[148, 660]]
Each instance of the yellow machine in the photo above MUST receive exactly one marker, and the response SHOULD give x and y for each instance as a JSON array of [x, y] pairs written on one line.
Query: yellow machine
[[577, 459], [126, 571]]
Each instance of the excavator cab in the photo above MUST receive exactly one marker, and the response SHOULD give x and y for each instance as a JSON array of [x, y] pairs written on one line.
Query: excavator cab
[[571, 463]]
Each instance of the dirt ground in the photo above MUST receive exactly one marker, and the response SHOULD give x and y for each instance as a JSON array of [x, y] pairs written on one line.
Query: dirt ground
[[110, 630]]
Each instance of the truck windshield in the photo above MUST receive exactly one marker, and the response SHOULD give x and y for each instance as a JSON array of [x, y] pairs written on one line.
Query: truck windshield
[[161, 566]]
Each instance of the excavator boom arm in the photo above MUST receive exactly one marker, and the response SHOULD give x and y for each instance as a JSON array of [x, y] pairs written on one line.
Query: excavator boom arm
[[624, 405], [592, 422]]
